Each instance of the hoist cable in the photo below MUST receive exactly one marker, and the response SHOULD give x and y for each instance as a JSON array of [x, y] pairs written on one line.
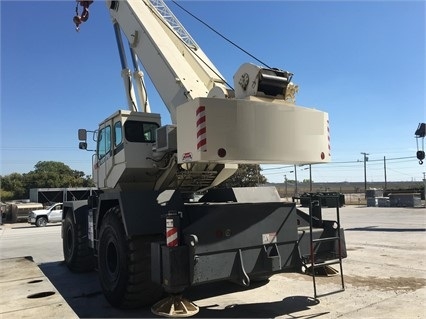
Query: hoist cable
[[221, 35]]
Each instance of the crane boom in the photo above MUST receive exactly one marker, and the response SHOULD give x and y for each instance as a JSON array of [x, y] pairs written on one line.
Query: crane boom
[[176, 65], [213, 128]]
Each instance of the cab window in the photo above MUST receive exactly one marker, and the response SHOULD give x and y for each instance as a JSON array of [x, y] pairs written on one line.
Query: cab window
[[118, 134], [140, 132], [104, 141]]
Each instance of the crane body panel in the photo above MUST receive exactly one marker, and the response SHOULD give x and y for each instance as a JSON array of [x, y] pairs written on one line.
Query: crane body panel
[[251, 132]]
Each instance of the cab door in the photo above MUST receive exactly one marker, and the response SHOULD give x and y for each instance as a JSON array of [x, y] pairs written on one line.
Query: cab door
[[103, 154]]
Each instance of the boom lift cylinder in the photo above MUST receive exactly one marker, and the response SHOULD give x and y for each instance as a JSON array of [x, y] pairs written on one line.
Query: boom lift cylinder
[[140, 83], [125, 71]]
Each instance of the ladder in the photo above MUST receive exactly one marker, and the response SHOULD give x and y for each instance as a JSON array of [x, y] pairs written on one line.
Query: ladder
[[337, 259]]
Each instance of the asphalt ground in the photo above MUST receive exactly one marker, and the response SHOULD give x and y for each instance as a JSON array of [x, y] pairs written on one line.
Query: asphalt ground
[[384, 274]]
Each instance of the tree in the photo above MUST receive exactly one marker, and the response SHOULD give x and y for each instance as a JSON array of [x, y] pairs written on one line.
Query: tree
[[247, 175], [13, 186], [6, 195], [47, 174]]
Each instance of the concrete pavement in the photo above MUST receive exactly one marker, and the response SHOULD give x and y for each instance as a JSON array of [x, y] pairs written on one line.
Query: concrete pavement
[[385, 274]]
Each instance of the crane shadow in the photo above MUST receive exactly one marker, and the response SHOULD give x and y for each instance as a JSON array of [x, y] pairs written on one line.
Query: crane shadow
[[384, 229], [84, 295], [292, 305]]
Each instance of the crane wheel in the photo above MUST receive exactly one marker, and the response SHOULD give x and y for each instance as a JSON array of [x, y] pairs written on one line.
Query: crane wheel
[[125, 265], [78, 255]]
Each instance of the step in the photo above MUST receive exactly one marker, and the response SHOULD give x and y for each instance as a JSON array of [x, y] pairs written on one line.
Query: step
[[327, 263], [318, 240]]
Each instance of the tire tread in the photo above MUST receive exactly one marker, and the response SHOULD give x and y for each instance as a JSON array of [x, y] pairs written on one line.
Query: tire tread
[[139, 289]]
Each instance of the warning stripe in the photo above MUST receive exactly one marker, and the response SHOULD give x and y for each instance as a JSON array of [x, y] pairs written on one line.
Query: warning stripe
[[201, 132], [200, 109], [201, 129], [201, 120], [201, 145], [172, 237], [328, 136]]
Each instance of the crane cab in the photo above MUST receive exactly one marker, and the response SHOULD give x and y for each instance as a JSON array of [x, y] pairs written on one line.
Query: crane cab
[[124, 155]]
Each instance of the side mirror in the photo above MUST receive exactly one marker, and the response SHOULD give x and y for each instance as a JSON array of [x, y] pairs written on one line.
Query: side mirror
[[82, 145], [82, 135]]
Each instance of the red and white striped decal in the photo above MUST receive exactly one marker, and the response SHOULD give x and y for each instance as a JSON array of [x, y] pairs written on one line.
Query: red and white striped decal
[[171, 236], [328, 136], [201, 129]]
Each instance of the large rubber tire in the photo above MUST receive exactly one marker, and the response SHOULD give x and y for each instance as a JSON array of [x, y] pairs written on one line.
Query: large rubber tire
[[78, 255], [41, 222], [125, 265]]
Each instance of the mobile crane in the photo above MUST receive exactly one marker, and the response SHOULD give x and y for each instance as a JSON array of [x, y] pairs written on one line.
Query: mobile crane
[[143, 232]]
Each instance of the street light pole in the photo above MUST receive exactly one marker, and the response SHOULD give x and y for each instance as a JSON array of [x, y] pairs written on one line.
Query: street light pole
[[424, 186], [365, 171], [295, 179]]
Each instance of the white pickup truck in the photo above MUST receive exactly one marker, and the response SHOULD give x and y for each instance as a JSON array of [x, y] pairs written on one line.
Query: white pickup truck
[[41, 217]]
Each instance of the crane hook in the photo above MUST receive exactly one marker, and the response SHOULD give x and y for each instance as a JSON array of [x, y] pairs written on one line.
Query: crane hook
[[420, 156], [79, 19], [420, 134]]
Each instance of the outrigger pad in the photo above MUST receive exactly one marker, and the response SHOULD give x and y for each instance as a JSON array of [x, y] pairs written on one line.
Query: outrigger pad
[[175, 306]]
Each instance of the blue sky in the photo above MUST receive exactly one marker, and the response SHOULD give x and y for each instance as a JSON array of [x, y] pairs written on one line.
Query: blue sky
[[363, 62]]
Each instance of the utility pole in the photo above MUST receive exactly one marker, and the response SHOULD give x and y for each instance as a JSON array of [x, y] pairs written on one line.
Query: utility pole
[[285, 183], [258, 175], [365, 171], [424, 186], [310, 178], [384, 164]]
